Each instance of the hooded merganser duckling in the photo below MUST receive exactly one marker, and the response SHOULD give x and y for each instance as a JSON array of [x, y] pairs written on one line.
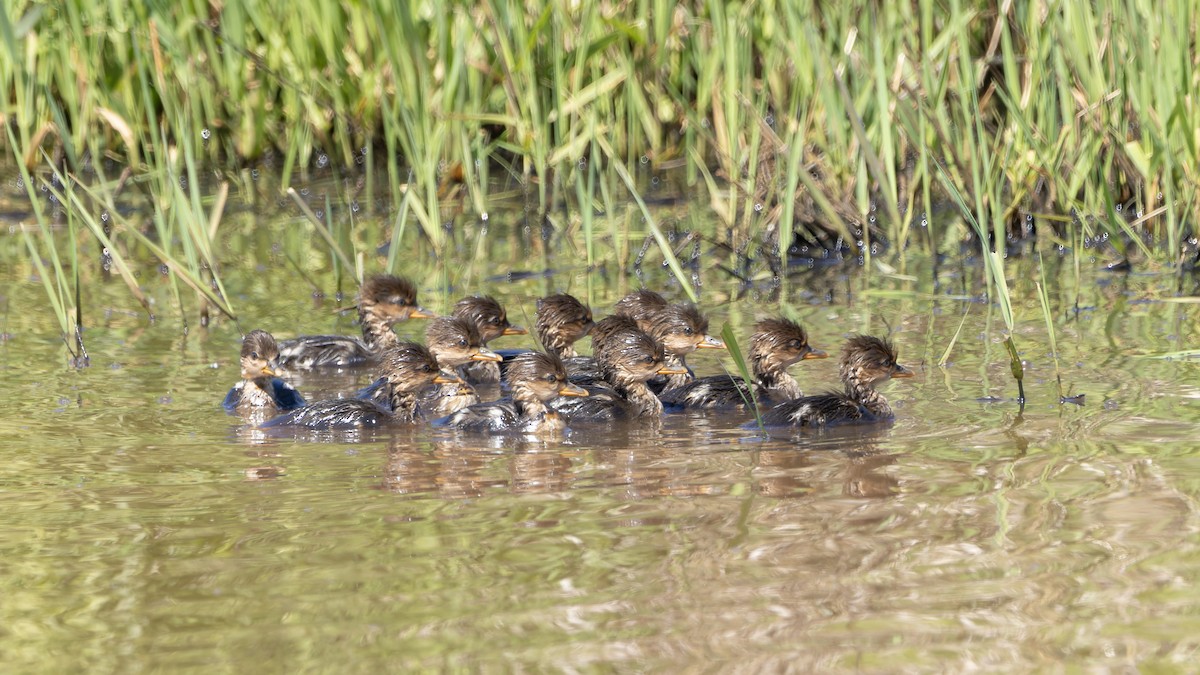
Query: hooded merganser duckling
[[382, 301], [260, 388], [534, 378], [774, 347], [562, 320], [628, 357], [866, 362], [681, 329], [453, 342], [489, 317], [640, 305], [409, 368]]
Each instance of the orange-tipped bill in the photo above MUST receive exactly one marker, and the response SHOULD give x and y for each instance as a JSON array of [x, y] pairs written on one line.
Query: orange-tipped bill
[[267, 371], [486, 355], [568, 389], [711, 342], [514, 330], [421, 313], [900, 371], [672, 370], [814, 354], [447, 377]]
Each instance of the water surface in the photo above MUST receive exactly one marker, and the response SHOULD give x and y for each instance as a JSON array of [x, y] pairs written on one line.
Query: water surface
[[147, 530]]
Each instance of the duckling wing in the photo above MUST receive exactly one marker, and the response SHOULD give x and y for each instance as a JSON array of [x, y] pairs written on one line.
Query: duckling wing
[[602, 404], [499, 415], [234, 397], [716, 391], [480, 372], [815, 411], [325, 351], [345, 413], [583, 370], [285, 395], [378, 392]]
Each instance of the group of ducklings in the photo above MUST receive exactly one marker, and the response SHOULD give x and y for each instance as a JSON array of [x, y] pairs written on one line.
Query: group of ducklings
[[637, 369]]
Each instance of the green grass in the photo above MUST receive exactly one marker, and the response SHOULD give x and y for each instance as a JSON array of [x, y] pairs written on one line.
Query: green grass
[[794, 119]]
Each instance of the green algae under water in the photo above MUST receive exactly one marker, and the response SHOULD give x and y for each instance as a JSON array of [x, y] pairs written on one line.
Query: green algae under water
[[144, 529]]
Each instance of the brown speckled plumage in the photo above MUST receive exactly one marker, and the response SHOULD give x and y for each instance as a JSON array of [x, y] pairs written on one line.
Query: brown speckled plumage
[[866, 362]]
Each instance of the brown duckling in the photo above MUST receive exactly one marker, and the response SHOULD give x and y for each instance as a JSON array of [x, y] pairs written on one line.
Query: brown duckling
[[383, 300], [774, 347], [681, 329], [628, 357], [489, 317], [454, 342], [640, 305], [866, 362], [534, 379], [409, 368], [562, 320], [260, 388]]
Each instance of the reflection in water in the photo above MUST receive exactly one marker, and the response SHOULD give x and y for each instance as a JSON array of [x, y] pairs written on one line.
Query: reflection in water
[[147, 529]]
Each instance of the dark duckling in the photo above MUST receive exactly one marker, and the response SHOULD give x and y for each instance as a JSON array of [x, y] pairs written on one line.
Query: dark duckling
[[774, 347], [409, 368], [454, 342], [489, 317], [534, 379], [640, 305], [681, 329], [562, 320], [383, 300], [866, 362], [628, 357], [260, 388]]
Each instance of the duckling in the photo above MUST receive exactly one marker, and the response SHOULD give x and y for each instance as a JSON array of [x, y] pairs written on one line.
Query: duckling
[[628, 357], [866, 362], [534, 378], [454, 342], [681, 329], [409, 368], [382, 301], [562, 320], [774, 347], [259, 388], [489, 317], [640, 305]]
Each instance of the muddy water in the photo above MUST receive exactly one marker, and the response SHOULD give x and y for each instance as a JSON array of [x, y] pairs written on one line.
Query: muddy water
[[144, 529]]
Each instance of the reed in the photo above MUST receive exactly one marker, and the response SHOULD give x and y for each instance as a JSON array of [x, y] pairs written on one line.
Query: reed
[[835, 124]]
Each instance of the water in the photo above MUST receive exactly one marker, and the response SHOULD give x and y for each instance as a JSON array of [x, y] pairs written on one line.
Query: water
[[145, 530]]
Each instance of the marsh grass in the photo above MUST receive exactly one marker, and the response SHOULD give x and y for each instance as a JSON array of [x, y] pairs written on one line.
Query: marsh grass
[[837, 125]]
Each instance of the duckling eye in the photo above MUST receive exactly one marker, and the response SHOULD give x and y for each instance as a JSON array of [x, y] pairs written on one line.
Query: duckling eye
[[796, 344], [462, 342], [550, 378], [426, 368], [688, 331], [254, 355], [647, 359]]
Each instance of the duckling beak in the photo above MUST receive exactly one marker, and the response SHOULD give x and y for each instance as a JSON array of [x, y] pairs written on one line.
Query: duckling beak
[[484, 354], [568, 389], [900, 371], [814, 354], [421, 313], [266, 370], [672, 370], [711, 342], [514, 330], [447, 377]]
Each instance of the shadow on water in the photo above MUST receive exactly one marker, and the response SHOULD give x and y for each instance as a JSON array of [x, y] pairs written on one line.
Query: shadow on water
[[155, 529]]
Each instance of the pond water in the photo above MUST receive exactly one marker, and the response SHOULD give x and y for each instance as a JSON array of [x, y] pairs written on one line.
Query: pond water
[[146, 530]]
